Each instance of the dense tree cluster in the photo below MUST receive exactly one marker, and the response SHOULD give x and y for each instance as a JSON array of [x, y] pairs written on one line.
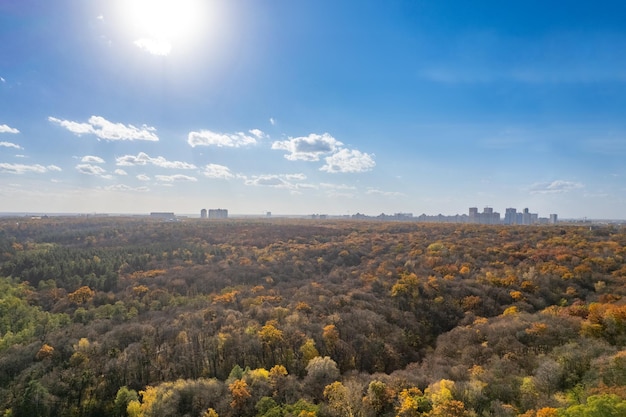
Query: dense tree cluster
[[269, 318]]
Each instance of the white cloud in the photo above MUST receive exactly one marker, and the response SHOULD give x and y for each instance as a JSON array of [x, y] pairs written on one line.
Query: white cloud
[[308, 148], [125, 188], [295, 177], [90, 159], [217, 171], [272, 121], [10, 145], [228, 140], [289, 181], [175, 178], [107, 130], [120, 172], [337, 186], [3, 80], [555, 187], [23, 169], [268, 181], [95, 170], [8, 129], [74, 127], [258, 133], [154, 46], [347, 160], [144, 159], [143, 177], [385, 193]]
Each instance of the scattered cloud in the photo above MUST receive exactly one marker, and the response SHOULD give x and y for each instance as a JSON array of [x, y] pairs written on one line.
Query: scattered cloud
[[308, 148], [104, 129], [175, 178], [24, 169], [222, 140], [295, 177], [272, 121], [144, 159], [347, 160], [95, 170], [154, 46], [10, 145], [8, 129], [143, 177], [268, 181], [126, 188], [217, 171], [555, 187], [289, 181], [3, 80], [337, 186], [314, 147], [259, 134], [90, 159], [385, 193], [120, 172]]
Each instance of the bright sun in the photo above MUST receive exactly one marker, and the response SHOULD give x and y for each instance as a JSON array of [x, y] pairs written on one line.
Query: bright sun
[[158, 25]]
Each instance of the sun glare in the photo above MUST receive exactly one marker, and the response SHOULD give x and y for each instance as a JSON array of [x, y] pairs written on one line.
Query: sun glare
[[159, 25]]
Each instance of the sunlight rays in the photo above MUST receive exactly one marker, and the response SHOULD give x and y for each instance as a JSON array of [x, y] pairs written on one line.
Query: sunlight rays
[[159, 25]]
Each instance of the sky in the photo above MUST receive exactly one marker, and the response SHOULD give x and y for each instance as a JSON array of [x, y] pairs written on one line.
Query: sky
[[313, 106]]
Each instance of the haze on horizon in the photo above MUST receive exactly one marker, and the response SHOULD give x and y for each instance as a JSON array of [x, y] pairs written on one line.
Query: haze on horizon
[[130, 106]]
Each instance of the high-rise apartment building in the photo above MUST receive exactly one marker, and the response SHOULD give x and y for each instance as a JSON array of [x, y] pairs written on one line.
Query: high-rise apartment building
[[218, 214], [488, 216], [510, 216]]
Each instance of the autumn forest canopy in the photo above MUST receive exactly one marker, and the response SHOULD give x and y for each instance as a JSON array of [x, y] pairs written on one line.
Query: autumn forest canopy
[[278, 318]]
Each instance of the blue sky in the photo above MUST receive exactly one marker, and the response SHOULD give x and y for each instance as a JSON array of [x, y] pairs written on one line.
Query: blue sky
[[301, 107]]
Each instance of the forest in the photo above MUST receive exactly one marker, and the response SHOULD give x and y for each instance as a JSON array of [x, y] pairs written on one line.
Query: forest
[[131, 316]]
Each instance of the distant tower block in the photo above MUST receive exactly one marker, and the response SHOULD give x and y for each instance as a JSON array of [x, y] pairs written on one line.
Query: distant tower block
[[218, 214], [510, 216], [473, 215], [203, 213]]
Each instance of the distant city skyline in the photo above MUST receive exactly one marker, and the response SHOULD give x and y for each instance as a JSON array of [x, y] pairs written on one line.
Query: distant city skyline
[[313, 106], [487, 216]]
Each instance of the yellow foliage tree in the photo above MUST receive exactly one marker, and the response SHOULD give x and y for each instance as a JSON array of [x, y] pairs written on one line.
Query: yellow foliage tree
[[440, 391], [133, 409], [547, 412], [210, 413], [45, 351], [240, 393], [308, 351], [451, 408], [82, 295], [412, 403]]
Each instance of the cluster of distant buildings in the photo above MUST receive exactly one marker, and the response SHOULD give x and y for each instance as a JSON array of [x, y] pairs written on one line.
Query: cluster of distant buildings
[[204, 213], [487, 216], [214, 214], [511, 216]]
